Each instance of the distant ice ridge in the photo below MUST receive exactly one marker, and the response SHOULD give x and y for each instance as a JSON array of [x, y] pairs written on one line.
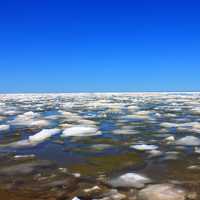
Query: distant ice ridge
[[35, 139], [80, 131]]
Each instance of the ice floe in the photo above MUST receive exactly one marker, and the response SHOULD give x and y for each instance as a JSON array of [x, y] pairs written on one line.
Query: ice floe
[[162, 192], [29, 119], [24, 156], [35, 139], [188, 126], [188, 141], [76, 198], [144, 147], [155, 153], [80, 131], [94, 188], [125, 131], [4, 127], [101, 147], [197, 150], [137, 117], [43, 135], [170, 138], [194, 167], [130, 180]]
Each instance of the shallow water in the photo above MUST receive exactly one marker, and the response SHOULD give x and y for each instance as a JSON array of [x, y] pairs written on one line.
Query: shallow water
[[122, 121]]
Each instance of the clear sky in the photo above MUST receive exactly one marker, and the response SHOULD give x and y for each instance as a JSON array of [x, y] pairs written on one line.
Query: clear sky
[[99, 45]]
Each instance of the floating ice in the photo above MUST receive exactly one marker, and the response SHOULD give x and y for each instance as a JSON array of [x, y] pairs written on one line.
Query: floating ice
[[169, 125], [53, 117], [125, 131], [20, 143], [170, 138], [171, 155], [43, 135], [29, 114], [35, 139], [80, 131], [2, 118], [24, 156], [197, 150], [70, 117], [75, 198], [162, 192], [137, 117], [40, 123], [195, 110], [10, 112], [188, 141], [94, 188], [144, 147], [30, 119], [155, 153], [194, 167], [101, 147], [86, 122], [130, 180], [189, 126], [4, 127]]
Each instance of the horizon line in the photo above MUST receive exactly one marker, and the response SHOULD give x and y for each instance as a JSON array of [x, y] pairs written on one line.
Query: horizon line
[[101, 92]]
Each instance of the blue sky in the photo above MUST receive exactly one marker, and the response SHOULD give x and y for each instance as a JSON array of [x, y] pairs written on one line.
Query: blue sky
[[99, 45]]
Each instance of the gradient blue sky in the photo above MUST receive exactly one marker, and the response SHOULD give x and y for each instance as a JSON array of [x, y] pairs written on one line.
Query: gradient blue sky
[[99, 45]]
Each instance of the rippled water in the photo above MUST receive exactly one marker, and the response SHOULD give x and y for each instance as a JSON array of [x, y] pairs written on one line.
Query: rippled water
[[97, 137]]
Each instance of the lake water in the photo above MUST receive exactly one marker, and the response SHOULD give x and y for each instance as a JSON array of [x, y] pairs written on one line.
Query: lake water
[[59, 146]]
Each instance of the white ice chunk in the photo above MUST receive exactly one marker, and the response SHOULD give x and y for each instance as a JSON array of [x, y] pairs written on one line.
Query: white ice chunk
[[170, 138], [35, 139], [80, 131], [155, 153], [30, 119], [75, 198], [162, 192], [197, 150], [188, 141], [169, 125], [125, 131], [130, 180], [4, 127], [40, 123], [43, 135], [24, 156], [144, 147]]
